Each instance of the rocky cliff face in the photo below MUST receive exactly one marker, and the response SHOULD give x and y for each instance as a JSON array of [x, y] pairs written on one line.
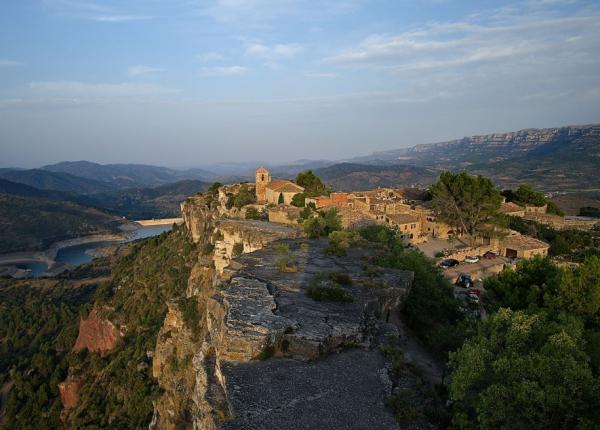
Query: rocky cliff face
[[259, 352], [493, 147]]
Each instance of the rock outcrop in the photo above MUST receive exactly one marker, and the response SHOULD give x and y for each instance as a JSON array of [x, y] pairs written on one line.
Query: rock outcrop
[[96, 335], [69, 392], [261, 353]]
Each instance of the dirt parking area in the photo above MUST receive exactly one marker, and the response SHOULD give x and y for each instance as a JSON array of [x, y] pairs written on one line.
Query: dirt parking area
[[480, 270]]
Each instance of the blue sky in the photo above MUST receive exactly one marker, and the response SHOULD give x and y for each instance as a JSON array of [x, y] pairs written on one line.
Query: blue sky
[[192, 82]]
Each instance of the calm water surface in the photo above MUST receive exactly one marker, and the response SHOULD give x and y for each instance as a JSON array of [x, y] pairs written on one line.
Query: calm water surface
[[80, 254]]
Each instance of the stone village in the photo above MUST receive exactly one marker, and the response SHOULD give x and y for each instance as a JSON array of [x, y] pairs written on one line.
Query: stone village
[[404, 210]]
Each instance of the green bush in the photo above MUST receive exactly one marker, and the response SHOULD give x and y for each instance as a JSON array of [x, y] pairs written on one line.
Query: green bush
[[298, 200], [339, 242], [253, 213], [238, 249], [323, 224], [325, 287]]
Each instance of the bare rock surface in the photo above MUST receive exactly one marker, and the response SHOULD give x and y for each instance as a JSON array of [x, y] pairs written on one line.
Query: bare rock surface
[[342, 391], [96, 335]]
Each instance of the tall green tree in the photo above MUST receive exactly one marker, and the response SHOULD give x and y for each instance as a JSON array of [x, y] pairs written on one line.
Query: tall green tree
[[524, 371], [467, 203], [312, 184]]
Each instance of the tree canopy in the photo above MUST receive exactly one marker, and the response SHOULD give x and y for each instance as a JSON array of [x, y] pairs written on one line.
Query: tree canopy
[[524, 371], [526, 195], [467, 203], [313, 186]]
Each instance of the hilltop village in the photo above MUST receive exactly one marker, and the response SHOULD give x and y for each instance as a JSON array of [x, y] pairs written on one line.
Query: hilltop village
[[405, 209]]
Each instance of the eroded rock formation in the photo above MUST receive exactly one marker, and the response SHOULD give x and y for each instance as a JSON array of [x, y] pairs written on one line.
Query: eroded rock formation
[[264, 354], [96, 335]]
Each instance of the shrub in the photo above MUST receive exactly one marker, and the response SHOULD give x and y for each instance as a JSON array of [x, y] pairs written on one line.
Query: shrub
[[324, 223], [238, 249], [244, 196], [439, 254], [325, 287], [339, 242], [285, 262], [266, 353], [340, 278], [329, 294], [299, 200], [253, 213], [207, 248]]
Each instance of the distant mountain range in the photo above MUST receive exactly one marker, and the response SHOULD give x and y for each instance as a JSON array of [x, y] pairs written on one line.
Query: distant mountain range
[[553, 159], [122, 176]]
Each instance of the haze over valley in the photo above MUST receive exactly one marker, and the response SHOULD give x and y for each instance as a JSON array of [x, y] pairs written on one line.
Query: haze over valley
[[290, 215]]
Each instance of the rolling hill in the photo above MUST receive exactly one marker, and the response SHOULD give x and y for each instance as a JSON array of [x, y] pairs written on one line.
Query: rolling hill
[[32, 223], [57, 181], [357, 177], [121, 176]]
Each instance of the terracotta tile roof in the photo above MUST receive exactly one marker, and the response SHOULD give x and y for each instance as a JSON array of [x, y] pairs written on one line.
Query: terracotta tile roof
[[523, 242], [284, 186], [261, 169], [511, 207]]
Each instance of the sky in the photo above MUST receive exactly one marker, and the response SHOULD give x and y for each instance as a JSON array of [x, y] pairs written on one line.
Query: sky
[[185, 83]]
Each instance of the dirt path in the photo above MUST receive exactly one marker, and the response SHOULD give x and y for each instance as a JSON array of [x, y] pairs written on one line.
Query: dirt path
[[416, 354]]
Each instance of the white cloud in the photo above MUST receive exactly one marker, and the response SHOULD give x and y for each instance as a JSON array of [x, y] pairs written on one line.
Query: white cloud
[[9, 63], [278, 51], [140, 71], [120, 18], [223, 71]]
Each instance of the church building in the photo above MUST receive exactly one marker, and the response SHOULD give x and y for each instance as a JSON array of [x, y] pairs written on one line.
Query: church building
[[274, 191]]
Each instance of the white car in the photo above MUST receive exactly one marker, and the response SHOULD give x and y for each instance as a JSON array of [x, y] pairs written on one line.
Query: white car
[[471, 259]]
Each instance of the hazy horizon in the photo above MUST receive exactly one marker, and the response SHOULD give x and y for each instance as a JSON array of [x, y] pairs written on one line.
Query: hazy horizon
[[184, 83]]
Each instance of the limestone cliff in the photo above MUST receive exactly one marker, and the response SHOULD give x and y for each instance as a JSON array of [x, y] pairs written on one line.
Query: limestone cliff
[[258, 352]]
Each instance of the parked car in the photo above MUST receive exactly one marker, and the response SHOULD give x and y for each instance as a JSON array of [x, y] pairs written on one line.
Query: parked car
[[449, 262], [464, 280], [490, 255], [470, 259]]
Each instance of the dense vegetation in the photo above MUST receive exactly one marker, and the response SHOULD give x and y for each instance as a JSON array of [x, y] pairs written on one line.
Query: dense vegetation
[[526, 195], [118, 388], [535, 363], [38, 327], [589, 211], [29, 224]]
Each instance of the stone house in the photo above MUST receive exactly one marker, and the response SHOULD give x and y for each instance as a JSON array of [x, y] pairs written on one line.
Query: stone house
[[408, 225], [520, 246]]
